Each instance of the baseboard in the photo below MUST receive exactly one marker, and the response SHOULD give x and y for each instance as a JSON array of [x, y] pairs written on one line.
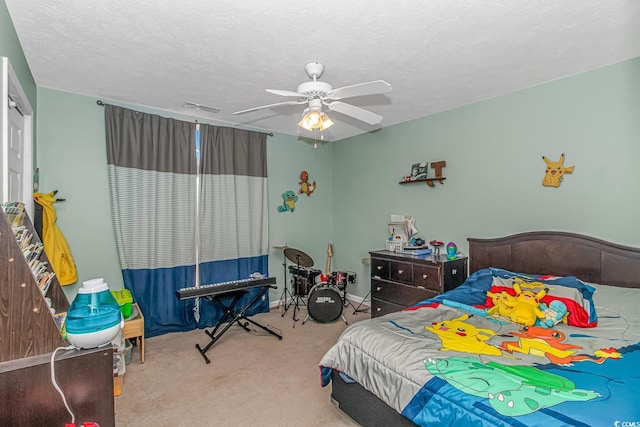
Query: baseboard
[[358, 300]]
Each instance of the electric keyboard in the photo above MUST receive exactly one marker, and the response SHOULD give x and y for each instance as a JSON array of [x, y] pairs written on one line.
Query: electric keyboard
[[223, 287], [234, 311]]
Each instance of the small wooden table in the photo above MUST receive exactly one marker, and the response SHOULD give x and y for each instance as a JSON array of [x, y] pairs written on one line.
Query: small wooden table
[[134, 328]]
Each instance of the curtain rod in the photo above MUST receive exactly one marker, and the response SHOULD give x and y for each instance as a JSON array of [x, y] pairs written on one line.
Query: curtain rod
[[102, 104]]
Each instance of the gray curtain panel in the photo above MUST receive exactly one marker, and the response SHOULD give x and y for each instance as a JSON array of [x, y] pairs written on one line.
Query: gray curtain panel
[[153, 181]]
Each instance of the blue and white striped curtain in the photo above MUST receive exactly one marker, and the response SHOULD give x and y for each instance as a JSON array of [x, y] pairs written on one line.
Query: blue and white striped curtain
[[153, 179]]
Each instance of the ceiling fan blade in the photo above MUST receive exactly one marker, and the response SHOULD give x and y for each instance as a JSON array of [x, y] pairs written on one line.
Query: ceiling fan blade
[[271, 105], [369, 88], [286, 93], [355, 112]]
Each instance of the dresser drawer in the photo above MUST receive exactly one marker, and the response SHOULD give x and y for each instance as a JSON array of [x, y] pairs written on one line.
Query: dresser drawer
[[455, 273], [427, 276], [399, 293], [401, 272], [380, 307], [379, 268]]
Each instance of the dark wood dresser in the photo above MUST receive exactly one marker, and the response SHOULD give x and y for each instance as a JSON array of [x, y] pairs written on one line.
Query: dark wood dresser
[[399, 281]]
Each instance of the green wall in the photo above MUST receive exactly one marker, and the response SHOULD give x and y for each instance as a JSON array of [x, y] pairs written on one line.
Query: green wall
[[72, 155], [494, 171]]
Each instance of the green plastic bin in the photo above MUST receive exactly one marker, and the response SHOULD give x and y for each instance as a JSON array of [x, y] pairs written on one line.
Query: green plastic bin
[[124, 300]]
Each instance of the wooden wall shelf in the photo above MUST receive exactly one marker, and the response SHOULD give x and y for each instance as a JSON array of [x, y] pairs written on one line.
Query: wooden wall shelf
[[437, 167], [429, 181]]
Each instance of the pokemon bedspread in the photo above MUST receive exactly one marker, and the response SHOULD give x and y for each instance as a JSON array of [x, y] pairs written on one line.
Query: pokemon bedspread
[[443, 364]]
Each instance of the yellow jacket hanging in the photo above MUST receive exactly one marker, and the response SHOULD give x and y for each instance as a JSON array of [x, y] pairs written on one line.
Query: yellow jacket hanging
[[55, 245]]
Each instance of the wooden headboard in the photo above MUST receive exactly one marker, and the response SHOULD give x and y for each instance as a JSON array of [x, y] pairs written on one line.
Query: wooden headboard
[[560, 254]]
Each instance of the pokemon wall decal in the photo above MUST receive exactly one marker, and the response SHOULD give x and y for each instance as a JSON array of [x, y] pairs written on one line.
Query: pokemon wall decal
[[289, 204], [555, 172], [306, 187]]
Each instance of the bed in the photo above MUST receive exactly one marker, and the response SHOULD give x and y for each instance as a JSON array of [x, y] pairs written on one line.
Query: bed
[[446, 361]]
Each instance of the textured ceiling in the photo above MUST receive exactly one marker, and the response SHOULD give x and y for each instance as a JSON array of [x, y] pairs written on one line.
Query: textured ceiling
[[436, 54]]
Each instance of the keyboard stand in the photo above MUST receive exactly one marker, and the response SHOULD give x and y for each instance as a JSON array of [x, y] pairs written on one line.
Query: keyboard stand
[[235, 315]]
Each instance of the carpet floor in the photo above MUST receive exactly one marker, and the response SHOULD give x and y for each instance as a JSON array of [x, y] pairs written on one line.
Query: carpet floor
[[254, 379]]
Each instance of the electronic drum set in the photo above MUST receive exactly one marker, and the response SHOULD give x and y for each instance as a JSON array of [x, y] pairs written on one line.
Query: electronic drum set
[[324, 295]]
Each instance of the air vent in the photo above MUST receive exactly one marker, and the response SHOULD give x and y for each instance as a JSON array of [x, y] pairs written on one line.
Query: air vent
[[201, 107]]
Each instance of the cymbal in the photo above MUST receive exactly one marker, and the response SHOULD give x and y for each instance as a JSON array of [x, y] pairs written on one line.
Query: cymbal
[[298, 257], [280, 247]]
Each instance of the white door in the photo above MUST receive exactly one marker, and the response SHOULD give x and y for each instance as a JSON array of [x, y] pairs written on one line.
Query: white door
[[16, 156]]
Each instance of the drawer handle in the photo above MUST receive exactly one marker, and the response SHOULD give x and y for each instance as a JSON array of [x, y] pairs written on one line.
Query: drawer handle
[[400, 271], [379, 288], [379, 309], [454, 271], [424, 276], [379, 267]]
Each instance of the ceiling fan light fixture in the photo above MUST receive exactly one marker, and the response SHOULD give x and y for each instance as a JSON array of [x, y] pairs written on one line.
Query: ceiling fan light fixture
[[315, 119], [304, 123], [326, 121]]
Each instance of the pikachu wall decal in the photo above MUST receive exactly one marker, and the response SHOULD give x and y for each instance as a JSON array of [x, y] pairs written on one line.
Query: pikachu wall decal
[[555, 172]]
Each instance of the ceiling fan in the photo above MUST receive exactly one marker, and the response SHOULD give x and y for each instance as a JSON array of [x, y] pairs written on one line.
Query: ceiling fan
[[316, 94]]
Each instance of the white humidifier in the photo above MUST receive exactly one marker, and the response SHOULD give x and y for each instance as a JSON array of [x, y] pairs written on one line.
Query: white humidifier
[[94, 318]]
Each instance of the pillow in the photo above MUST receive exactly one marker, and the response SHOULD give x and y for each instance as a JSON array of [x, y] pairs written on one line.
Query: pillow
[[574, 293]]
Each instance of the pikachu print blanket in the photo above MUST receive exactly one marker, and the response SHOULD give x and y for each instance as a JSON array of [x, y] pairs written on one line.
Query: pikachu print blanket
[[444, 362]]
